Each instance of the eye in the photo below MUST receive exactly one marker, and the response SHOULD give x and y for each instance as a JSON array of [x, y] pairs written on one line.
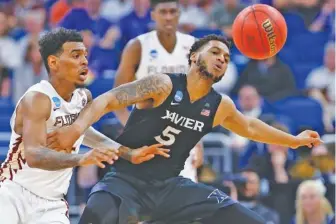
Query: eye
[[214, 52], [75, 56]]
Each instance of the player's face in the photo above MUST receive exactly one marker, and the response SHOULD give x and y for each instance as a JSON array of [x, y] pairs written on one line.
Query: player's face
[[72, 64], [213, 60], [166, 16]]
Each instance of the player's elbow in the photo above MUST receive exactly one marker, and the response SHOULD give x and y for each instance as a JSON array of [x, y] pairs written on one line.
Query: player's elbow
[[251, 130]]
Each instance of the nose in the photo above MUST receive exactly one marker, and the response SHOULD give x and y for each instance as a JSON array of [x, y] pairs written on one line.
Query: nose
[[169, 16], [221, 58], [84, 61]]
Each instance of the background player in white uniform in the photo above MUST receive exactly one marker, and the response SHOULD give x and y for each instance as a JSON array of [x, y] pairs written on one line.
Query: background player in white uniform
[[34, 178], [163, 50]]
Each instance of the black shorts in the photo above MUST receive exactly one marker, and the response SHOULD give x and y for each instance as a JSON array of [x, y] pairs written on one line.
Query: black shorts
[[175, 200]]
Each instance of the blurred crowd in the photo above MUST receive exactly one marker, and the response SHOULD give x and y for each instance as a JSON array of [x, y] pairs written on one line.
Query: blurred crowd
[[258, 87]]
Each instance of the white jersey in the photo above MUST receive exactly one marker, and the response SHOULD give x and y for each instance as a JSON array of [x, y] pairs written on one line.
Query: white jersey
[[156, 60], [52, 185]]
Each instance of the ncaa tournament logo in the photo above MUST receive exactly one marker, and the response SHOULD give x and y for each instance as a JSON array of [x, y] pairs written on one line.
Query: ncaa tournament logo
[[153, 54], [57, 103]]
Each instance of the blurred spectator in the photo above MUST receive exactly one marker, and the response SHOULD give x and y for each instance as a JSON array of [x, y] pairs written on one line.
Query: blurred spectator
[[272, 78], [311, 204], [225, 85], [59, 10], [9, 55], [33, 26], [321, 83], [104, 56], [325, 21], [137, 22], [248, 194], [224, 13], [249, 104], [114, 10], [194, 14], [318, 162], [30, 72], [271, 162], [87, 18]]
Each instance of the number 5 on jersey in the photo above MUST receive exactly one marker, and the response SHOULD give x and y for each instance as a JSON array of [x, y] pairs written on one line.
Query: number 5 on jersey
[[169, 134]]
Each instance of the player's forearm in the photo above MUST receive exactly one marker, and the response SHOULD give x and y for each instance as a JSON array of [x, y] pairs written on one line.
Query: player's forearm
[[125, 153], [262, 132], [95, 139], [91, 113], [47, 159]]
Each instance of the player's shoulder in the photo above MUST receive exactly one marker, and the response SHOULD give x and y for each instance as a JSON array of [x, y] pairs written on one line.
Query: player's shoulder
[[226, 104], [88, 94], [146, 36], [36, 102]]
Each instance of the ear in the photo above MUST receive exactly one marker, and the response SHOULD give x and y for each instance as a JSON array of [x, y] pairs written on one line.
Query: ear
[[153, 15], [193, 57], [53, 62]]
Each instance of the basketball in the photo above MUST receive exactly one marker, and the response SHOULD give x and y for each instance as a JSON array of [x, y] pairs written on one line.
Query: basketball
[[259, 31]]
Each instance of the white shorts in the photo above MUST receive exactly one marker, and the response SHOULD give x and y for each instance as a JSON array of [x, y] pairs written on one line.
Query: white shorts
[[20, 206]]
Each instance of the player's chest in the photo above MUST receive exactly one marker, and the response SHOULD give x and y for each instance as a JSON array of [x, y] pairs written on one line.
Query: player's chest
[[63, 117]]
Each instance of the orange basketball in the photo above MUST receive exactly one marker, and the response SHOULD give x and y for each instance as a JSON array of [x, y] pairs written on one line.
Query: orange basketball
[[259, 31]]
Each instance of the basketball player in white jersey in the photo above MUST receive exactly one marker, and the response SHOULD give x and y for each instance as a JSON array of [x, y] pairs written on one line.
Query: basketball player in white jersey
[[163, 50], [34, 178]]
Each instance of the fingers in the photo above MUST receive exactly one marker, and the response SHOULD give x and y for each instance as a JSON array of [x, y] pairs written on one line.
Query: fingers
[[145, 158], [162, 152], [310, 142], [113, 154], [105, 155]]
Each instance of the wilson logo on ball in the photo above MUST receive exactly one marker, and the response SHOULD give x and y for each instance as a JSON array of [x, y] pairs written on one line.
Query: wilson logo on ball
[[268, 27]]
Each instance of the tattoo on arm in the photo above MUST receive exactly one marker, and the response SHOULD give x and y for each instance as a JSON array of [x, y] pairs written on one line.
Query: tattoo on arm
[[146, 88], [48, 159], [125, 153]]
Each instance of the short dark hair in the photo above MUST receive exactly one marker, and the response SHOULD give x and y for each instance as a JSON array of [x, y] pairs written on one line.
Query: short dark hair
[[154, 3], [52, 42], [203, 41]]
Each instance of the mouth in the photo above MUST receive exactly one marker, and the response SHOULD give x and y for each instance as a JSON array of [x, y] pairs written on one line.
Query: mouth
[[218, 67], [169, 26], [83, 74]]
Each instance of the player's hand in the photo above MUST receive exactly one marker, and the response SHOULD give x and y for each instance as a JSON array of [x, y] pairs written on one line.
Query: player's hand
[[146, 153], [98, 156], [307, 138], [62, 139]]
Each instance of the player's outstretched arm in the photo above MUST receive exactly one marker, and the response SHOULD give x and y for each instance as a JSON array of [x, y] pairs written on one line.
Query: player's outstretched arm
[[229, 117], [95, 139], [156, 87], [129, 63], [35, 110]]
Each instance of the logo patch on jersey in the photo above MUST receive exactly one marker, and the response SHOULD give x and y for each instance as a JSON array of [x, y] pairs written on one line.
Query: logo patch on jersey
[[207, 105], [178, 96], [153, 53], [205, 112], [57, 103], [220, 196], [83, 102]]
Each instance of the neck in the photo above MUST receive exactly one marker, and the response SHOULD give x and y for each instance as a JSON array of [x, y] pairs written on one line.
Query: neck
[[314, 217], [63, 88], [168, 41], [196, 85]]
